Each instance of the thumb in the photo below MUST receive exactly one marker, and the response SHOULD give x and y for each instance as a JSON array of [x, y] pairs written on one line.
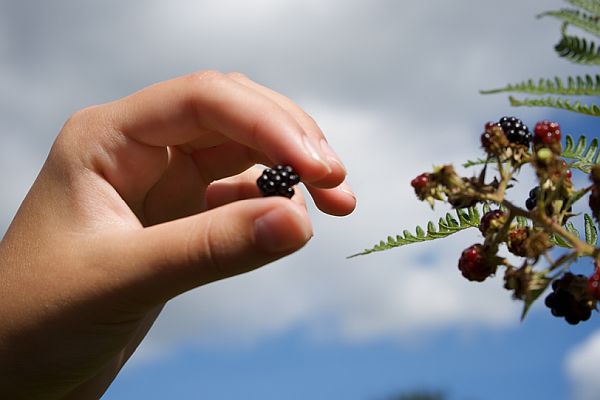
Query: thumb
[[159, 262]]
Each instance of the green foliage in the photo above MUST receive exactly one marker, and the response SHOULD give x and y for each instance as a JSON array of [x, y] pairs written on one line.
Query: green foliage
[[575, 86], [467, 218], [578, 50], [586, 17], [591, 6], [555, 102], [577, 18], [584, 156]]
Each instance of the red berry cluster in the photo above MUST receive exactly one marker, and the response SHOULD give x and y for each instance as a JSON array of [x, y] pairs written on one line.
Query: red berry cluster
[[546, 132]]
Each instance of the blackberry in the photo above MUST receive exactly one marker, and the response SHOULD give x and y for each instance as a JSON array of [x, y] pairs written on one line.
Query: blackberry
[[491, 221], [531, 201], [515, 130], [473, 264], [278, 181], [568, 300], [534, 193], [546, 132]]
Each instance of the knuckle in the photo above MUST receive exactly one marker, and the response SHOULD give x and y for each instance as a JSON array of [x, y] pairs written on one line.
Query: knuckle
[[238, 76], [202, 77]]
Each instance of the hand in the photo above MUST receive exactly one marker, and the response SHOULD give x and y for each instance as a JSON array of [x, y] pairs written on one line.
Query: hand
[[140, 200]]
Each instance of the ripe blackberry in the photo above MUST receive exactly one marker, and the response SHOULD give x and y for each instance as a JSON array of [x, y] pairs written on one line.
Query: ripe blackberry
[[568, 300], [278, 181], [473, 264], [515, 130], [546, 132], [491, 221], [531, 201]]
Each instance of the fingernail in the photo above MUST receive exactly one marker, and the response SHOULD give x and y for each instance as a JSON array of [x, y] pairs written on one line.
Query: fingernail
[[313, 149], [280, 230], [332, 157], [344, 187]]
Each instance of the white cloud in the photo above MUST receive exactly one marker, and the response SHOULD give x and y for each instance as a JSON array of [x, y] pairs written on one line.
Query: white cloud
[[393, 85], [582, 365]]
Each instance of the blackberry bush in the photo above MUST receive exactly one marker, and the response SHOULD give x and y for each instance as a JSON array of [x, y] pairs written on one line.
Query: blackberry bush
[[535, 231]]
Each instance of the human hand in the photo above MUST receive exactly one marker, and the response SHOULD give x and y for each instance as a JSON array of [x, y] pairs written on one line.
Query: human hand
[[140, 200]]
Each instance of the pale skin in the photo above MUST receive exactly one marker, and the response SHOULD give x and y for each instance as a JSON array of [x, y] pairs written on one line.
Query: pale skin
[[139, 201]]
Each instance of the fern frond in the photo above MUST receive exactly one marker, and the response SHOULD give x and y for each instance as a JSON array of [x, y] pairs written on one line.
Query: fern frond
[[574, 86], [578, 50], [582, 20], [467, 218], [473, 163], [591, 6], [555, 102], [584, 155]]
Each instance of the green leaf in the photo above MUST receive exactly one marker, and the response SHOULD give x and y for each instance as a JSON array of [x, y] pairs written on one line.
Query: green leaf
[[581, 20], [591, 233], [559, 241], [591, 6], [533, 295], [449, 225], [571, 228], [559, 103], [584, 156], [575, 86], [578, 50], [472, 163], [522, 221]]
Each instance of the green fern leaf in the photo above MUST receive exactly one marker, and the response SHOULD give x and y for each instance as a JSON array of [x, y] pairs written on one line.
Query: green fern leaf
[[559, 241], [473, 163], [559, 103], [575, 86], [591, 6], [584, 156], [582, 20], [465, 218], [578, 50], [591, 233]]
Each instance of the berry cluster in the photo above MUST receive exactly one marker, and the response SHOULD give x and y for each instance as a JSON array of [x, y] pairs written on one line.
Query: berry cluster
[[570, 299], [529, 232], [278, 181]]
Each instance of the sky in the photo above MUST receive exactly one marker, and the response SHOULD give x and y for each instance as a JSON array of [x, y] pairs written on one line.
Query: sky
[[394, 86]]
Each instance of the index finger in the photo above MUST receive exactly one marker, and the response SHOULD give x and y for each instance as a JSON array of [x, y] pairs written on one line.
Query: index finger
[[211, 107]]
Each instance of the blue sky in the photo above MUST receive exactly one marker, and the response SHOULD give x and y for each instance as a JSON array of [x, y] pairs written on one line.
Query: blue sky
[[394, 85]]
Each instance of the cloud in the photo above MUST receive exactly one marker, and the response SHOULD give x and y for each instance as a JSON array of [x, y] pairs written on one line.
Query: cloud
[[394, 85], [582, 365]]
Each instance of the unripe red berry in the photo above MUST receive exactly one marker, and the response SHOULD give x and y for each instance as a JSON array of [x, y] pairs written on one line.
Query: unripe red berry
[[593, 285], [420, 182], [490, 220], [473, 264], [546, 132]]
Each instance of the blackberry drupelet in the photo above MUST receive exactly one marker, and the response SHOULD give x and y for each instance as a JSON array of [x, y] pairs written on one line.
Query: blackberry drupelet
[[568, 301], [515, 130], [278, 181]]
